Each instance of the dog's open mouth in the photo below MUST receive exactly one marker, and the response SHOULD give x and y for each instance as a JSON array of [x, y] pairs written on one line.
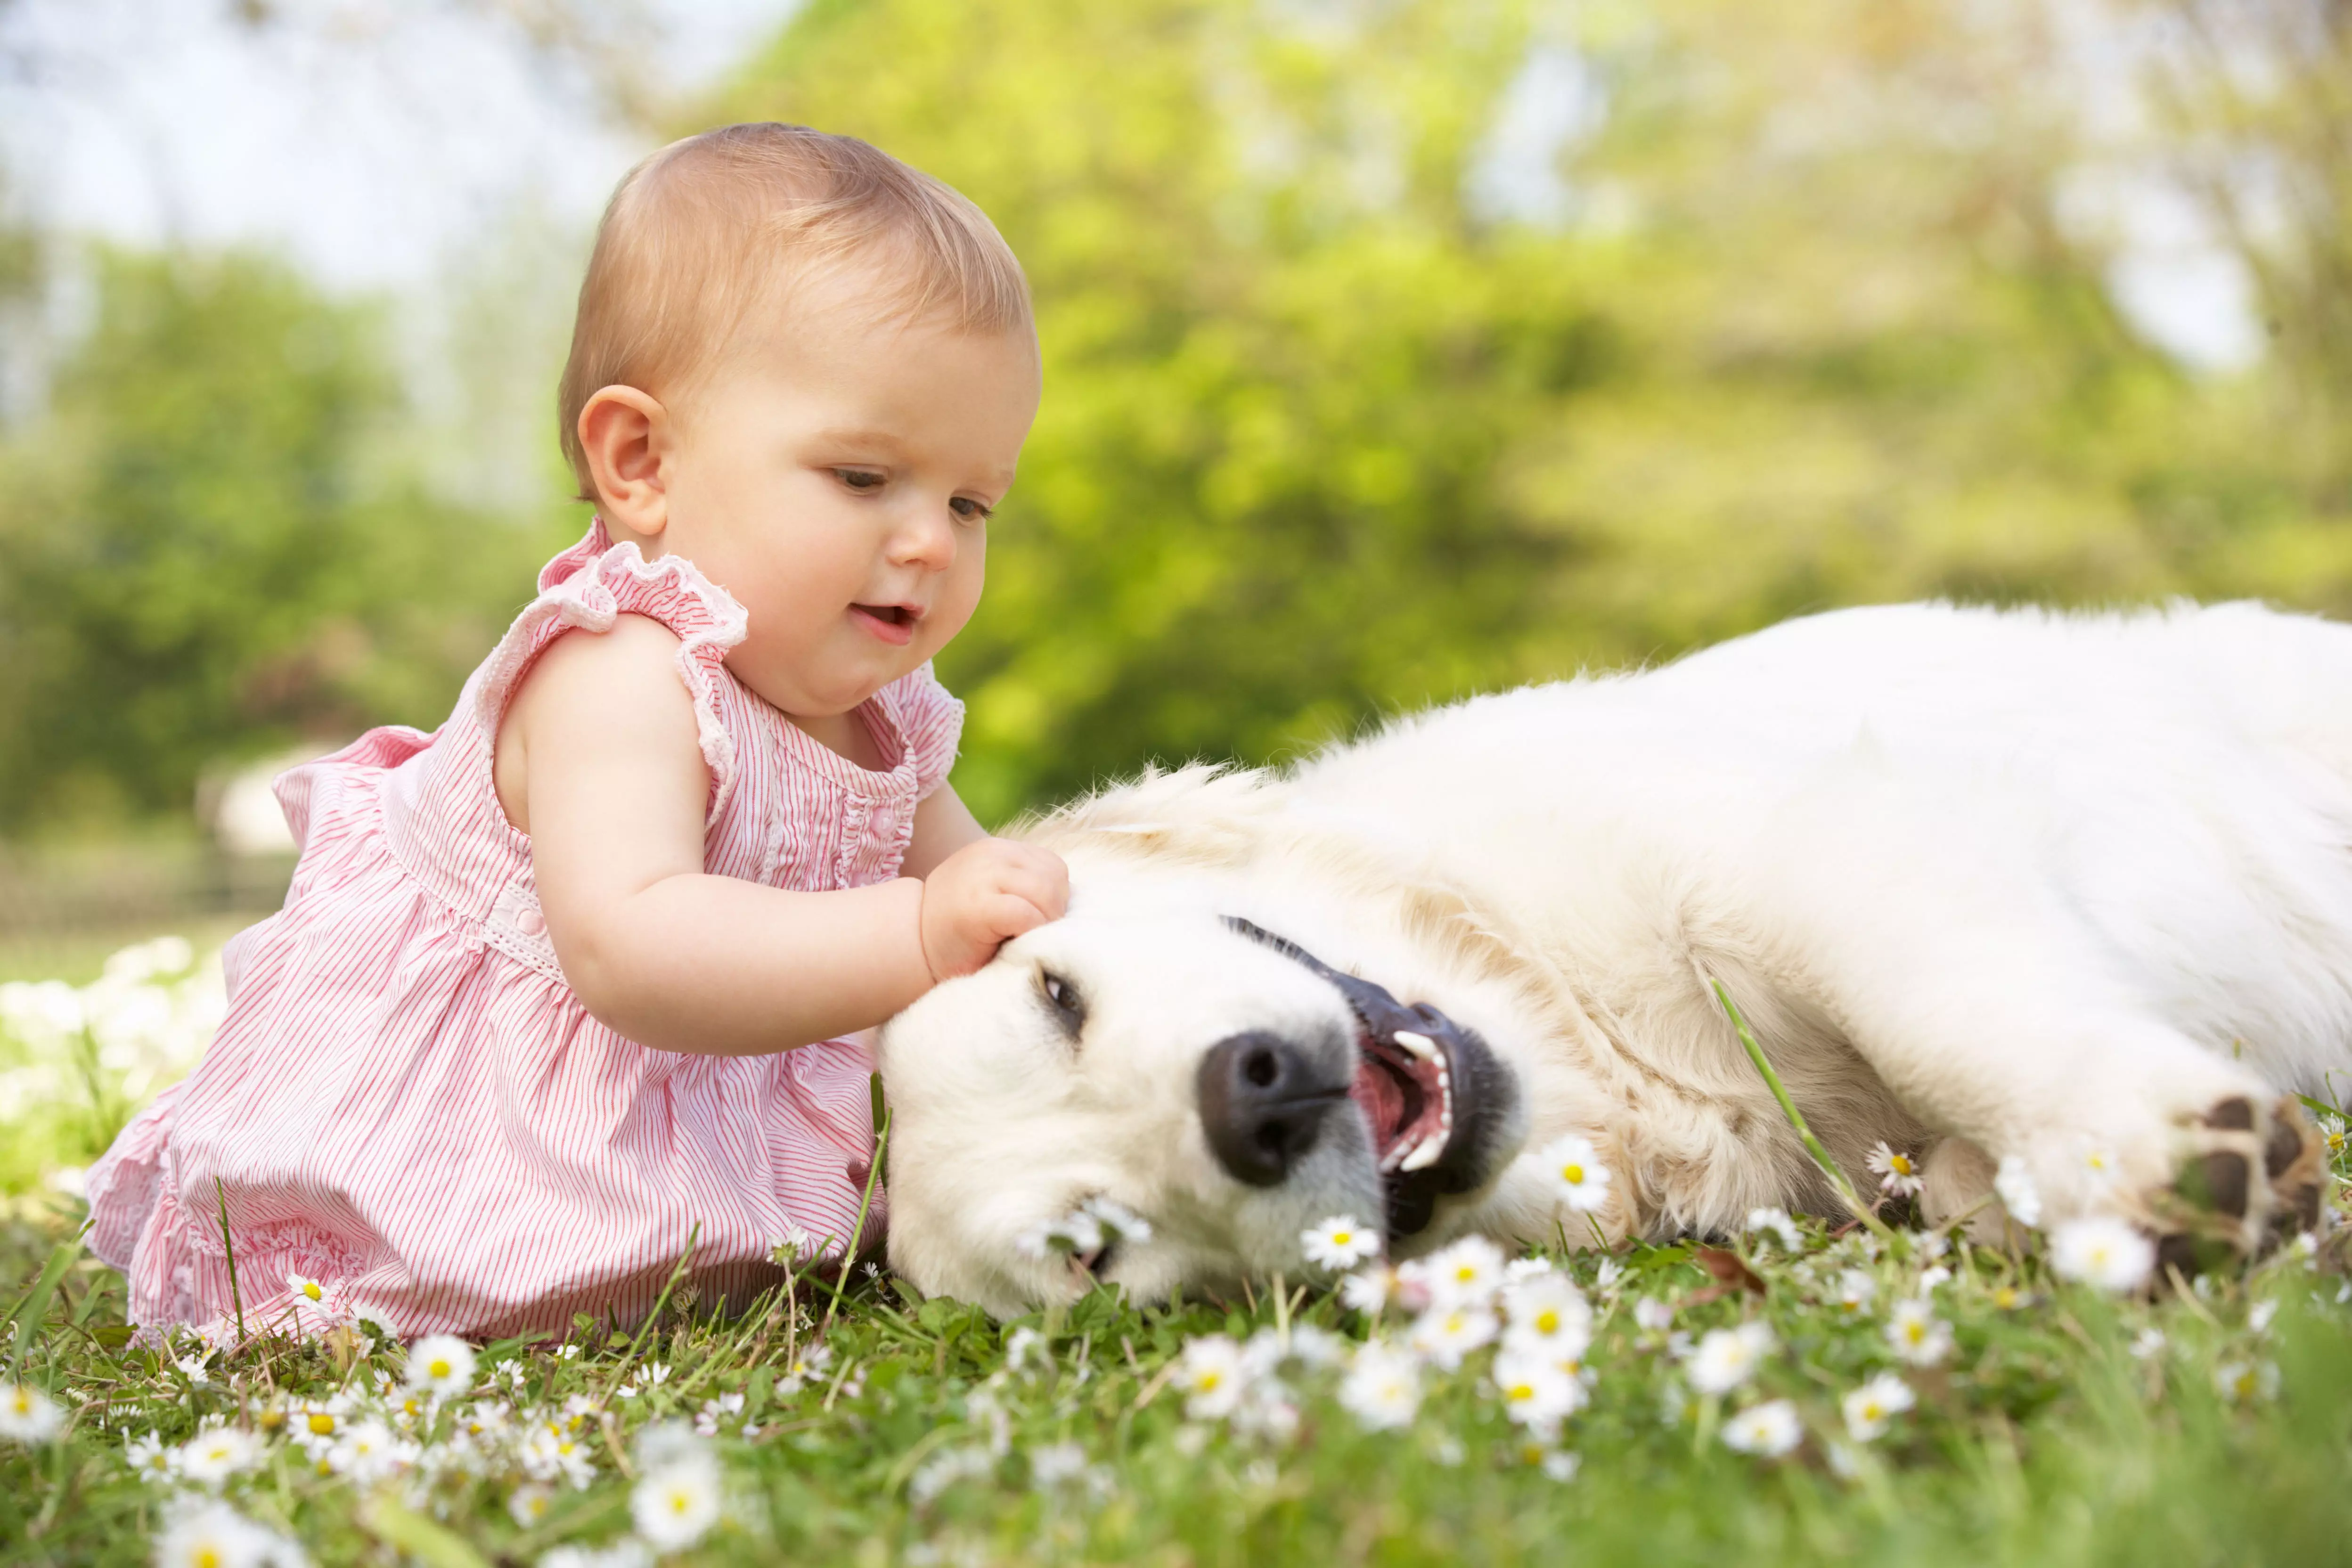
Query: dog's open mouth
[[1405, 1086]]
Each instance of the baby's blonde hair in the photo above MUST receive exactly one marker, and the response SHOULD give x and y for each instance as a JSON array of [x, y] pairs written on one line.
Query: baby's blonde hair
[[707, 228]]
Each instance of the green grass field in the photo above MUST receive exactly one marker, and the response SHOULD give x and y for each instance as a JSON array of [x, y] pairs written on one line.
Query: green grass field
[[2064, 1426]]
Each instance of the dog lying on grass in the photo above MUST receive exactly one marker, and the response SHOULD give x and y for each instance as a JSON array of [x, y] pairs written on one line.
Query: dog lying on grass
[[2069, 892]]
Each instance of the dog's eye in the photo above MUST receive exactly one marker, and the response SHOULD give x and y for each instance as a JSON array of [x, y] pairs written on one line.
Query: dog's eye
[[1065, 998]]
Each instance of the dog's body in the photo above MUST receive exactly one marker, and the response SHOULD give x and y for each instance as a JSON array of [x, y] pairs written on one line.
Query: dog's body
[[2073, 889]]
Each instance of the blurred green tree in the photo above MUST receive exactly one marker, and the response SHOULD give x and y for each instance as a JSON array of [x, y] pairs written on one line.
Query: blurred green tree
[[214, 545], [1330, 431]]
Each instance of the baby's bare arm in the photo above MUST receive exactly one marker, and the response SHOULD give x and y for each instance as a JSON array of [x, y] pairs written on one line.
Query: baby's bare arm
[[613, 788], [598, 761]]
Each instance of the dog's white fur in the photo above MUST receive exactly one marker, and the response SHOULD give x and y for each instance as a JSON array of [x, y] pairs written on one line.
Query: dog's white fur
[[1984, 884]]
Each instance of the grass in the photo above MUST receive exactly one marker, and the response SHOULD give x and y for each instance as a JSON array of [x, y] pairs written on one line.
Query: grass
[[861, 1423], [933, 1434]]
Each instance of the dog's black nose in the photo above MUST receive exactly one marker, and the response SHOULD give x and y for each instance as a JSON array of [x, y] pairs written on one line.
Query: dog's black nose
[[1262, 1104]]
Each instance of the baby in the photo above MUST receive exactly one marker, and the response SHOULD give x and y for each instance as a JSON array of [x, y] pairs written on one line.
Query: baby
[[569, 981]]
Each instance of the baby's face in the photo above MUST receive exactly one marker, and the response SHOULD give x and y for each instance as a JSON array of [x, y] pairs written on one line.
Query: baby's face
[[837, 481]]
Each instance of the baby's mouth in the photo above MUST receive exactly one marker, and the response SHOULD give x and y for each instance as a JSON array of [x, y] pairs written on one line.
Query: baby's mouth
[[891, 623]]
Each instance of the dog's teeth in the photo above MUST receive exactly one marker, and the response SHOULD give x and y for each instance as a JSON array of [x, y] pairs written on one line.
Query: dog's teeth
[[1421, 1045], [1426, 1153]]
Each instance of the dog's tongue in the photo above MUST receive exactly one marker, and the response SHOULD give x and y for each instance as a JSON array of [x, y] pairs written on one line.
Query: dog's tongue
[[1382, 1094]]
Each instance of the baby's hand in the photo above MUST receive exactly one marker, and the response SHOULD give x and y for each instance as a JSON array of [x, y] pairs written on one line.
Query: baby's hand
[[983, 896]]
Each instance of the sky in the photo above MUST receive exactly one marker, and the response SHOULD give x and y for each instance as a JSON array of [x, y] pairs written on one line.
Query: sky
[[380, 142]]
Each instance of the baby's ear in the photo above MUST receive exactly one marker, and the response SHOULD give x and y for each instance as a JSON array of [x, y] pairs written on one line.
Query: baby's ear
[[626, 436]]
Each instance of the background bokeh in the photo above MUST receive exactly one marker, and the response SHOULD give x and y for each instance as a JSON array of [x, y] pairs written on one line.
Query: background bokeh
[[1395, 349]]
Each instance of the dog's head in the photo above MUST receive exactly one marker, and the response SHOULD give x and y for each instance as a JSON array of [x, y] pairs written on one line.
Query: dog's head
[[1181, 1067]]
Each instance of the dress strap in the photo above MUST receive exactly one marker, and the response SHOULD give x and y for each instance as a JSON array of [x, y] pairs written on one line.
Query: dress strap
[[590, 586]]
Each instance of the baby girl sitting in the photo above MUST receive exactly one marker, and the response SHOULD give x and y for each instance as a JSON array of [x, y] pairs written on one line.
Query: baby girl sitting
[[568, 980]]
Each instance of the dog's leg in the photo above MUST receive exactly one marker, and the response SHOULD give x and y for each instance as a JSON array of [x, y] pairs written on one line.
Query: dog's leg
[[1993, 1013]]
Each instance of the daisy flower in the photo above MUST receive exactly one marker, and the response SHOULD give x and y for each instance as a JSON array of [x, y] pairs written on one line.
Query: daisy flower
[[2240, 1381], [530, 1504], [1776, 1223], [1573, 1165], [208, 1459], [215, 1535], [1605, 1277], [2104, 1251], [2014, 1184], [1369, 1290], [1535, 1392], [1652, 1315], [443, 1364], [28, 1415], [1339, 1243], [2099, 1164], [1918, 1335], [1213, 1378], [369, 1452], [2148, 1343], [149, 1458], [1382, 1388], [1727, 1358], [1770, 1429], [1118, 1219], [1868, 1408], [1445, 1334], [306, 1288], [1519, 1269], [1898, 1173], [2332, 1128], [1855, 1288], [1466, 1274], [1560, 1467], [1549, 1316], [676, 1503]]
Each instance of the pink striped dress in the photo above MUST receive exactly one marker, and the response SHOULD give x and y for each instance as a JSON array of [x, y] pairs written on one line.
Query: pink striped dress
[[406, 1102]]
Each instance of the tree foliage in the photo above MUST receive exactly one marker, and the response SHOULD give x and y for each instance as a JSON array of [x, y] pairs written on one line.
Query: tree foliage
[[1359, 394]]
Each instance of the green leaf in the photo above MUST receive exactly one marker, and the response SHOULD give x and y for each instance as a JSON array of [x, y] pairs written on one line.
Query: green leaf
[[34, 1305]]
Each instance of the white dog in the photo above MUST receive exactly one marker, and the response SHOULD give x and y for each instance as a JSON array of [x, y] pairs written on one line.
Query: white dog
[[2073, 889]]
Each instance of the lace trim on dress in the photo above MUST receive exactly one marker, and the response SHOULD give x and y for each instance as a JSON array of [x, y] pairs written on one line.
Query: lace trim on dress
[[619, 580]]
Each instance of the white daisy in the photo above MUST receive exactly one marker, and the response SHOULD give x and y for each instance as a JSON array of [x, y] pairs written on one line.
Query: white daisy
[[192, 1367], [369, 1452], [2099, 1164], [1369, 1290], [1445, 1334], [676, 1503], [1550, 1316], [1560, 1465], [1770, 1429], [1918, 1335], [1652, 1315], [28, 1415], [210, 1457], [1855, 1291], [2014, 1184], [2240, 1381], [150, 1458], [1868, 1408], [1074, 1234], [1118, 1219], [213, 1535], [1382, 1388], [2148, 1343], [530, 1504], [1466, 1274], [442, 1364], [1898, 1173], [1574, 1167], [1535, 1392], [1339, 1243], [2102, 1251], [1727, 1358], [1605, 1277], [1213, 1377], [1519, 1269], [1776, 1223]]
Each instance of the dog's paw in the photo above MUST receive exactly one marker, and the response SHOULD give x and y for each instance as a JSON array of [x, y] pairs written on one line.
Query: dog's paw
[[2249, 1173]]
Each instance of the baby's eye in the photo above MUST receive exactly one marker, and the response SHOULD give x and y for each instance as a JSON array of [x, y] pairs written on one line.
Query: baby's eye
[[970, 510], [859, 479]]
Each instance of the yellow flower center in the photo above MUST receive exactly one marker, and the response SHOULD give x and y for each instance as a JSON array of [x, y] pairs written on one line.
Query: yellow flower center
[[1547, 1321], [679, 1502], [1342, 1237], [1209, 1380], [1871, 1411], [2004, 1297], [321, 1423], [1573, 1175], [1902, 1163], [1914, 1332], [310, 1288], [1519, 1390], [206, 1557], [436, 1369]]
